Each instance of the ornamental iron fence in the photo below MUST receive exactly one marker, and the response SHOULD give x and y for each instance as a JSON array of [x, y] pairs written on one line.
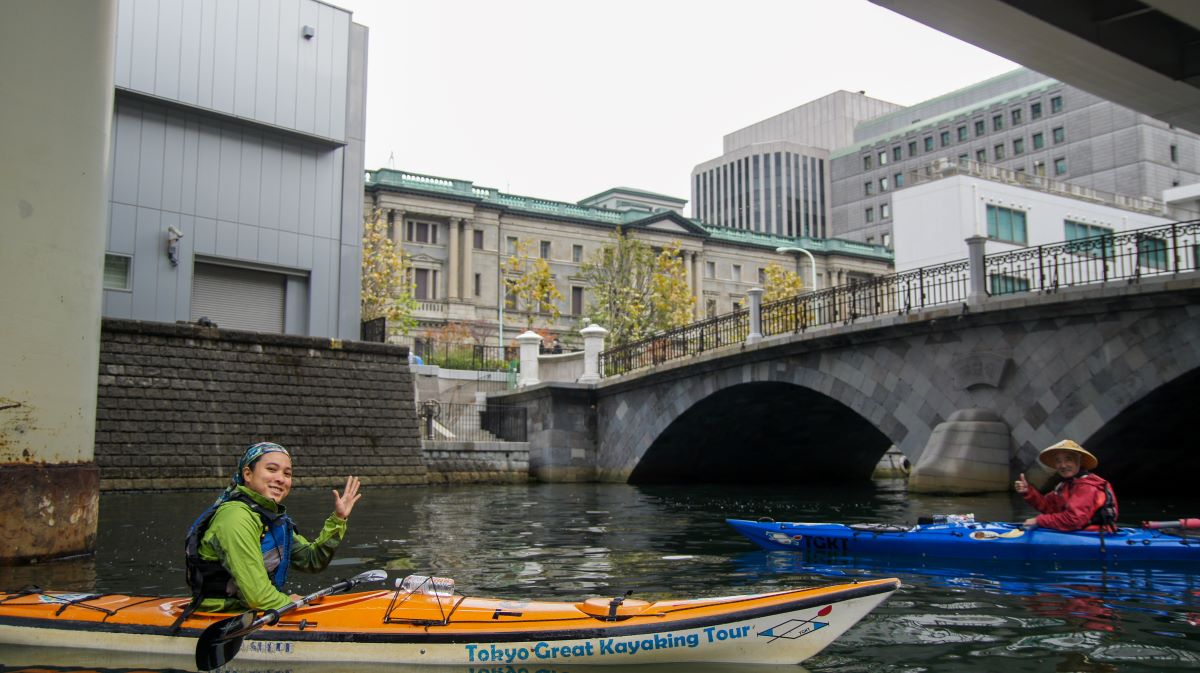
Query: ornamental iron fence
[[449, 422]]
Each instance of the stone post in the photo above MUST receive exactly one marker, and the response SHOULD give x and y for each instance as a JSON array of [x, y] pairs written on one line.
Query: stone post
[[977, 291], [530, 343], [593, 344], [755, 316], [55, 125]]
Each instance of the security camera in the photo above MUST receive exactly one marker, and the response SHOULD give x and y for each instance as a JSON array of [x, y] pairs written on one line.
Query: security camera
[[175, 232]]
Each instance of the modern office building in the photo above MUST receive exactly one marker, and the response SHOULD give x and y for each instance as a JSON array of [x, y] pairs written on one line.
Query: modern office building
[[458, 234], [237, 157], [773, 176], [1022, 122]]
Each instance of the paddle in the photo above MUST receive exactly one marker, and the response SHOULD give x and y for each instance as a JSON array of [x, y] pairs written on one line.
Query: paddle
[[1185, 524], [220, 642]]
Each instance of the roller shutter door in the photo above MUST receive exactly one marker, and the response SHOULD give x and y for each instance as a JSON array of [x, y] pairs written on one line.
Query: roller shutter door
[[238, 298]]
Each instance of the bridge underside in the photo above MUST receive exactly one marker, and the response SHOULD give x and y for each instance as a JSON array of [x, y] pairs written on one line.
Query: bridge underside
[[764, 432], [1152, 447]]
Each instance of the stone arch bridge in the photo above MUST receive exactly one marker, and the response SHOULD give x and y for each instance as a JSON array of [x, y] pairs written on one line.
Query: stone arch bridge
[[969, 396]]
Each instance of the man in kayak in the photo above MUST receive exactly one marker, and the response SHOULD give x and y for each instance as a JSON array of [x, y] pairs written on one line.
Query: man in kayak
[[239, 550], [1081, 501]]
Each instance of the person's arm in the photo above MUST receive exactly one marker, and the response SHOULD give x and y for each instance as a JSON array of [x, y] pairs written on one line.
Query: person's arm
[[314, 556], [236, 537]]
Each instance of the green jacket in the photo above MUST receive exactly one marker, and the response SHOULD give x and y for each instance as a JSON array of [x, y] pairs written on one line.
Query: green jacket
[[234, 537]]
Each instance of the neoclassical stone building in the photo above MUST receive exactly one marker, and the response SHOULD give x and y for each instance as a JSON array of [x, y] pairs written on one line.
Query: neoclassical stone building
[[458, 235]]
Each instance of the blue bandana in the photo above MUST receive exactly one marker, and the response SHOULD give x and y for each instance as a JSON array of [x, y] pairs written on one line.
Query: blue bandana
[[252, 454]]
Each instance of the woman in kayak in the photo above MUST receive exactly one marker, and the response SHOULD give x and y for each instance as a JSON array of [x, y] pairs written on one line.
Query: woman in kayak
[[1081, 501], [239, 550]]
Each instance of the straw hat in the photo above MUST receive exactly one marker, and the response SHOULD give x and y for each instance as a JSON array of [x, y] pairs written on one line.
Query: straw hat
[[1086, 460]]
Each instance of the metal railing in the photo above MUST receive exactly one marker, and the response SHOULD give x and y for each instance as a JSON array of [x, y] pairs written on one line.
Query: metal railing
[[449, 422], [467, 357], [1129, 256]]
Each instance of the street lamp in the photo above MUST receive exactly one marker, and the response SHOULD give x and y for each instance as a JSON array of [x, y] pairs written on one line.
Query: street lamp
[[812, 264]]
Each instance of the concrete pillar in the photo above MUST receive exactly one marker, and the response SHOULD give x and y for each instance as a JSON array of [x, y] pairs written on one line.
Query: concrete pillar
[[468, 256], [56, 63], [593, 345], [454, 253], [978, 272], [530, 344], [755, 316], [968, 453]]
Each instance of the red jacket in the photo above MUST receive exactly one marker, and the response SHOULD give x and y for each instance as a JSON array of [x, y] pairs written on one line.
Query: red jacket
[[1073, 503]]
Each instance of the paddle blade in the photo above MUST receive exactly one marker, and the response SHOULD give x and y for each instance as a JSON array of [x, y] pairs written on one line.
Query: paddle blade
[[217, 646]]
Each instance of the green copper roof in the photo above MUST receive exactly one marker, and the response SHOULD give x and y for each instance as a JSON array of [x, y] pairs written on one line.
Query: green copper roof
[[634, 192]]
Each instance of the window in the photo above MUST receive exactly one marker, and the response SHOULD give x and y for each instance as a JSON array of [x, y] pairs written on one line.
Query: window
[[963, 159], [981, 156], [511, 242], [868, 188], [1056, 104], [710, 269], [421, 232], [869, 214], [1058, 135], [1035, 110], [477, 239], [928, 143], [897, 153], [424, 284], [510, 300], [710, 307], [887, 240], [979, 127], [576, 253], [735, 272], [868, 163], [1099, 243], [997, 122], [478, 288], [1018, 146], [1006, 224], [736, 303], [1000, 284], [883, 158], [962, 133], [762, 276], [544, 249], [912, 148], [1039, 168], [945, 138], [883, 184], [998, 152], [1174, 154], [1152, 252], [1060, 166], [885, 211], [1016, 116], [898, 180], [576, 301], [116, 272], [1039, 141]]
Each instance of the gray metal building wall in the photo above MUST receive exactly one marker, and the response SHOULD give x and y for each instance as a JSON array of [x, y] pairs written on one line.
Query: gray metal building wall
[[234, 127]]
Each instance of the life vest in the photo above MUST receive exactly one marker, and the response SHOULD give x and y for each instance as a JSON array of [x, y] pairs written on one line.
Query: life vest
[[1104, 507], [210, 579]]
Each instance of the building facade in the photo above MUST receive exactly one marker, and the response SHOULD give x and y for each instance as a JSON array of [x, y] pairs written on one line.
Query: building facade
[[1021, 122], [458, 234], [237, 154], [773, 176]]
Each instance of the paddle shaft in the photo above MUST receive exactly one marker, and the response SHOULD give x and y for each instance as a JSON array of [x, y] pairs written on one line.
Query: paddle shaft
[[1186, 524], [220, 641]]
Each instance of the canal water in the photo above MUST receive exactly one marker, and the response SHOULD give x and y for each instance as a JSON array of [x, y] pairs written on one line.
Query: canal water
[[569, 541]]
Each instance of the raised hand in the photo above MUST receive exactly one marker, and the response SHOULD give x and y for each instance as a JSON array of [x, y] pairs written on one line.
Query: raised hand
[[1021, 485], [343, 503]]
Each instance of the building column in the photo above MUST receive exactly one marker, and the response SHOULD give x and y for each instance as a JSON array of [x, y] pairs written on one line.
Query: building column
[[454, 252], [697, 286], [55, 128], [468, 256], [398, 224]]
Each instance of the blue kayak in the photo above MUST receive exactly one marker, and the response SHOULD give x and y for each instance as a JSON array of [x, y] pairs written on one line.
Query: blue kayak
[[973, 541]]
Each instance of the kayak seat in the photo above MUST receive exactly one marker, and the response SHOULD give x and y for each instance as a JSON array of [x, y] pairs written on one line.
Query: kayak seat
[[612, 609]]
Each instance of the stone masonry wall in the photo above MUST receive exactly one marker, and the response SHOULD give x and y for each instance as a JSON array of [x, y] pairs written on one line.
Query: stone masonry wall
[[178, 404]]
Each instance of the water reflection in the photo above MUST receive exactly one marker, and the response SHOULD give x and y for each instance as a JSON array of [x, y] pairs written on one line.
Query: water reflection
[[569, 541]]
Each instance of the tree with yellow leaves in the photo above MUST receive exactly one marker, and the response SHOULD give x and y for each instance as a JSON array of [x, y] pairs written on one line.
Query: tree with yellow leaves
[[781, 283], [529, 280], [671, 298], [386, 277]]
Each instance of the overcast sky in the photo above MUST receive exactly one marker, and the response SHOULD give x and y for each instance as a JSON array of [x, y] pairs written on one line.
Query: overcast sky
[[563, 99]]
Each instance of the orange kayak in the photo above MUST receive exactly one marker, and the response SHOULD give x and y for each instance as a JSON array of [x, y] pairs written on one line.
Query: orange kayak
[[440, 628]]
